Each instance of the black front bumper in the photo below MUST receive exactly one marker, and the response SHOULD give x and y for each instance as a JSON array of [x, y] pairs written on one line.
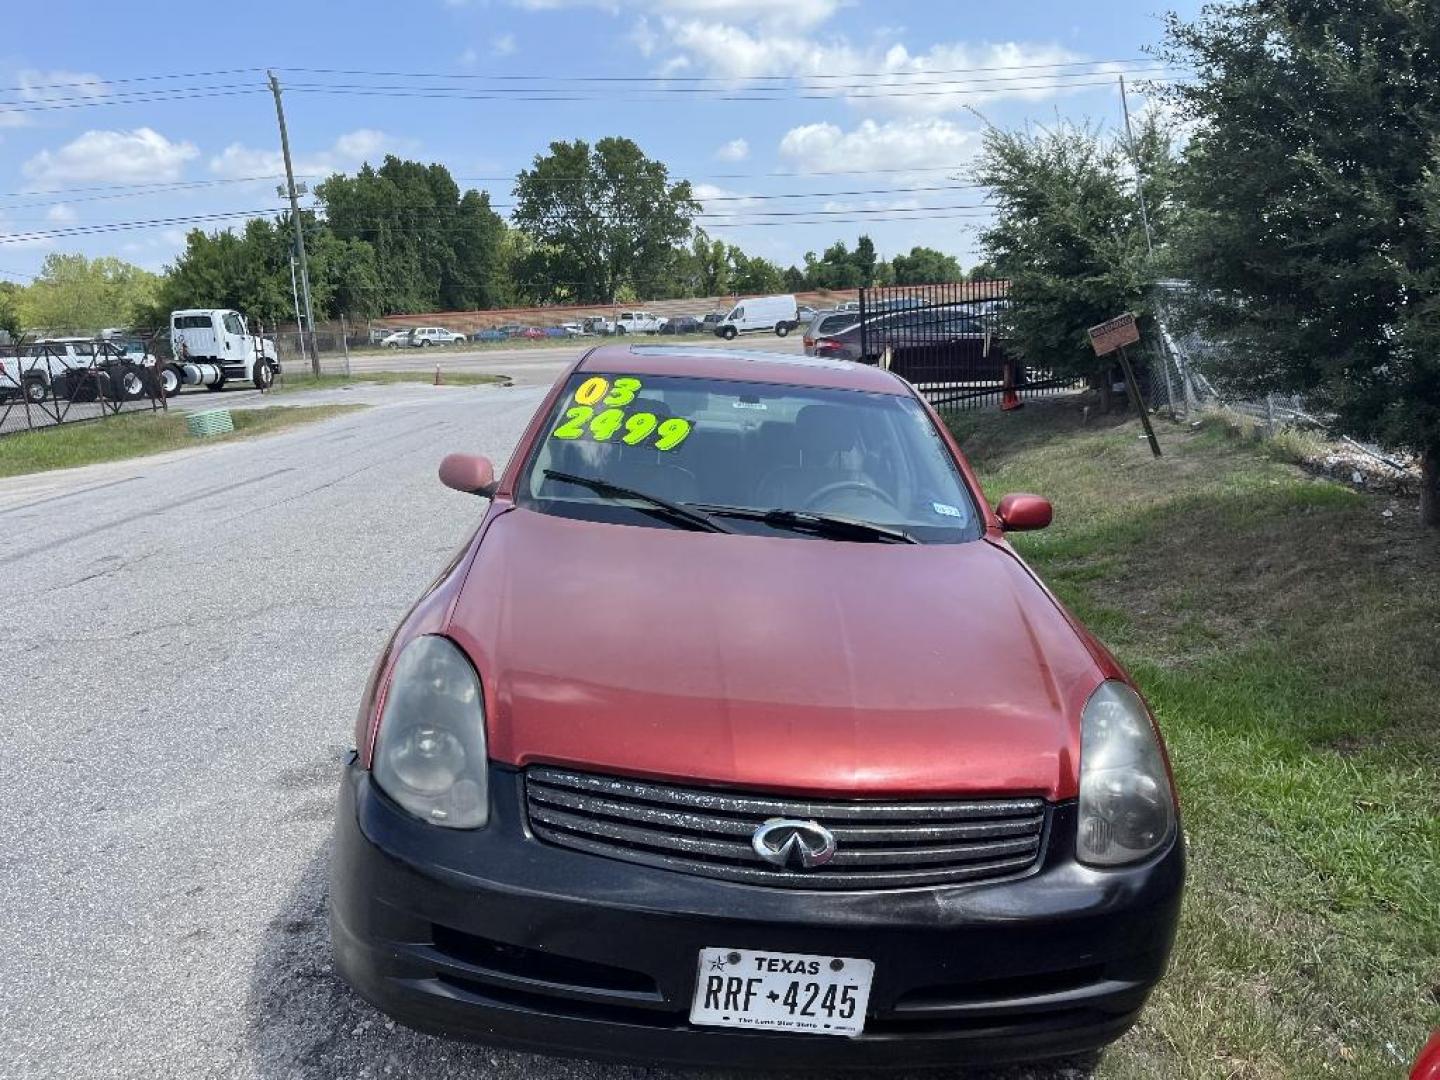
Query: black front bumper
[[494, 936]]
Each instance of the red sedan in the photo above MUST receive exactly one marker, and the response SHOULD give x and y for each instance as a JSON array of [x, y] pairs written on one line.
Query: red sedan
[[739, 733]]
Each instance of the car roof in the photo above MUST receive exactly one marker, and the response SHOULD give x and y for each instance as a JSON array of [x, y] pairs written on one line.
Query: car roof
[[741, 365]]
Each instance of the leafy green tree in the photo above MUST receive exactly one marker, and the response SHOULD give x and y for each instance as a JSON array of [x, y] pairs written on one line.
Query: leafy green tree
[[926, 266], [10, 300], [753, 274], [1312, 188], [1067, 233], [604, 216], [248, 271], [73, 293], [435, 248]]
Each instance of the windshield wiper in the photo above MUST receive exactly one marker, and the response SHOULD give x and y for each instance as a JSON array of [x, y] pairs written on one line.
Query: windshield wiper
[[833, 526], [696, 519]]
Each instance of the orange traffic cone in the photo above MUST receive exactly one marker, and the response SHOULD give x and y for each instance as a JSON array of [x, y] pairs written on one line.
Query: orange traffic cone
[[1010, 400]]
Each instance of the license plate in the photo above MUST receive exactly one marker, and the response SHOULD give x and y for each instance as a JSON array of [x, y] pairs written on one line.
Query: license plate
[[775, 991]]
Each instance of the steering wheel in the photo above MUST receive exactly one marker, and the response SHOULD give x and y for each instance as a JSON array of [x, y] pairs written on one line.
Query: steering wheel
[[859, 486]]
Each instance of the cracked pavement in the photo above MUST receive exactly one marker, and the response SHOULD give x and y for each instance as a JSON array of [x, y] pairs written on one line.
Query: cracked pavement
[[187, 637]]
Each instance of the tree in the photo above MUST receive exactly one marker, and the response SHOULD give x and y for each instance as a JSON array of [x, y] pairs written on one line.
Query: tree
[[1067, 234], [753, 274], [1312, 187], [604, 216], [10, 299], [73, 293], [434, 247], [926, 266]]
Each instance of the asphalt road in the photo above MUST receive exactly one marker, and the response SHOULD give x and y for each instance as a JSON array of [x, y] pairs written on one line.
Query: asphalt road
[[538, 364], [186, 639]]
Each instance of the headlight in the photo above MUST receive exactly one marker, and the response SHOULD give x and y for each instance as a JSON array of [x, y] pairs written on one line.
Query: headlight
[[1126, 809], [430, 753]]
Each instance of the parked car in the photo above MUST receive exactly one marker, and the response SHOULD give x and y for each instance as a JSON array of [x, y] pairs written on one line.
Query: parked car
[[511, 329], [949, 344], [682, 324], [711, 321], [556, 332], [425, 336], [492, 334], [825, 324], [76, 368], [742, 778], [529, 333], [759, 313], [396, 339], [572, 329], [804, 313], [637, 322], [597, 324]]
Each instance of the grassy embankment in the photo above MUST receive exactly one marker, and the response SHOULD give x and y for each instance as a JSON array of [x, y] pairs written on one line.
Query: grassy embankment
[[1287, 634], [138, 434]]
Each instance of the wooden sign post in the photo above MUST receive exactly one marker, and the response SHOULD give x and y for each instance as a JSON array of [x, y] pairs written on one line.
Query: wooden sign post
[[1113, 336]]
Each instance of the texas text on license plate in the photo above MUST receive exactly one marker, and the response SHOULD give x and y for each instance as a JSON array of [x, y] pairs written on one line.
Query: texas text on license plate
[[772, 991]]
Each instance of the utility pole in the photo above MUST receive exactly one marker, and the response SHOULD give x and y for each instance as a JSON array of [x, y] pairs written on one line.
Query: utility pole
[[1129, 137], [295, 217]]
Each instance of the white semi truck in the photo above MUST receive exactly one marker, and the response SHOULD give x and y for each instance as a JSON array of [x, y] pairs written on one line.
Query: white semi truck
[[213, 347]]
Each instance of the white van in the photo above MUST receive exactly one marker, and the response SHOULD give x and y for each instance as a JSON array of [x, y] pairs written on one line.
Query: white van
[[777, 313]]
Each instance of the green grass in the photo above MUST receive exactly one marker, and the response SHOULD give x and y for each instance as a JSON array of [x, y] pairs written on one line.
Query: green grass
[[138, 434], [1288, 637], [306, 381]]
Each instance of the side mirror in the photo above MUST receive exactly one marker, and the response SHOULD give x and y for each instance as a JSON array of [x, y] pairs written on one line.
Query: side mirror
[[470, 473], [1020, 512]]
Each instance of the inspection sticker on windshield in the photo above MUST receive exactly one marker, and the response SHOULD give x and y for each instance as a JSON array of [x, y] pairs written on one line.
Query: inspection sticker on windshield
[[599, 412], [774, 991], [946, 510]]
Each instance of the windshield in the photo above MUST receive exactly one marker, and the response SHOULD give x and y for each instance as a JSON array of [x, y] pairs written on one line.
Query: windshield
[[723, 445]]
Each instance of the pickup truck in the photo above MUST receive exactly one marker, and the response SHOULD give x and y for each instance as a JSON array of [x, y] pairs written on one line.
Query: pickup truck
[[638, 322]]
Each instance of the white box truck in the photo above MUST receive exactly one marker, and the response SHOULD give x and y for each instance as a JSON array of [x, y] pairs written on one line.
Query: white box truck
[[777, 313], [213, 346]]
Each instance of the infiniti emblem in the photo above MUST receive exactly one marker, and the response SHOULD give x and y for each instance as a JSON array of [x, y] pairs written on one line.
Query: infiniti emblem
[[795, 845]]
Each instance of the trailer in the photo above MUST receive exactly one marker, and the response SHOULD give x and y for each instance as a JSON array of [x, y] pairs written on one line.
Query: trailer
[[214, 347]]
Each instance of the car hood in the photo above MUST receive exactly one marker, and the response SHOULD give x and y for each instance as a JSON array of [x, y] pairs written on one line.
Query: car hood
[[790, 665]]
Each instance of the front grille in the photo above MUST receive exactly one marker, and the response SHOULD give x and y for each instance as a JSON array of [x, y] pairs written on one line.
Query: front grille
[[708, 832]]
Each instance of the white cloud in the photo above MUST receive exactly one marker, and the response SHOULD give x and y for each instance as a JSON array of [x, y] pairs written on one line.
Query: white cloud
[[12, 118], [114, 157], [933, 81], [503, 44], [60, 85], [469, 57], [913, 143], [62, 214], [797, 14], [734, 150], [347, 152]]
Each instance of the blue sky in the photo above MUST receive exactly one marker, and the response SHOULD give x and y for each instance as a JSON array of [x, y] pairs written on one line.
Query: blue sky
[[94, 132]]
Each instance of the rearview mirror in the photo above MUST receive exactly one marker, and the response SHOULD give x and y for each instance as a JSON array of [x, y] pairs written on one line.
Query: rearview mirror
[[1019, 512], [469, 473]]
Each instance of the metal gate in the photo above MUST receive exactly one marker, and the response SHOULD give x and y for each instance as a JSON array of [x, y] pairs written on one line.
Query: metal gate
[[948, 340], [45, 384]]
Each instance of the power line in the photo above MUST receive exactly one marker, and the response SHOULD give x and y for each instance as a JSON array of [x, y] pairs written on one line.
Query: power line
[[124, 79], [729, 92], [155, 189], [1145, 60]]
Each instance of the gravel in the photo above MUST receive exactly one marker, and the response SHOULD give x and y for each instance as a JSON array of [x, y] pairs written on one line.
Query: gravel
[[187, 637]]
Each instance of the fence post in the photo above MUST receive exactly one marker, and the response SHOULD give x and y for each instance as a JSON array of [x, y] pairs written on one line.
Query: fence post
[[1169, 384], [345, 342], [1269, 416]]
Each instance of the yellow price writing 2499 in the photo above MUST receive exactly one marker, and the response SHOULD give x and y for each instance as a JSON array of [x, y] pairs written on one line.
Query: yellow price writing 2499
[[585, 418]]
